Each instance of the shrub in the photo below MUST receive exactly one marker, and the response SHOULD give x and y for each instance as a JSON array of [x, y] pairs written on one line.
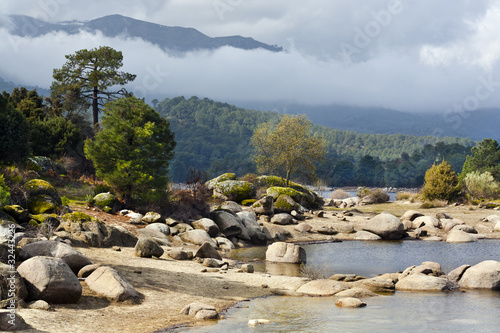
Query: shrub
[[440, 183], [362, 192], [314, 272], [65, 201], [339, 194], [4, 192], [403, 196], [433, 204], [379, 196], [101, 188], [481, 185]]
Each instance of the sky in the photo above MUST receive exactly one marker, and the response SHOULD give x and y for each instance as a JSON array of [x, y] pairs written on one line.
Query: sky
[[407, 55]]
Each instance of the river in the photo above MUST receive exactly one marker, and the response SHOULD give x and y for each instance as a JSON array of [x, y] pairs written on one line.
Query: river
[[471, 311]]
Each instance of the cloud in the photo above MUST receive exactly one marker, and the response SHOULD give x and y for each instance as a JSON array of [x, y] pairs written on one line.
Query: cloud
[[425, 56]]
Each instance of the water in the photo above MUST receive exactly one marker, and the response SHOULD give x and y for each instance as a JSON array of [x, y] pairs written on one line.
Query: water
[[326, 194], [472, 311], [371, 258], [403, 312]]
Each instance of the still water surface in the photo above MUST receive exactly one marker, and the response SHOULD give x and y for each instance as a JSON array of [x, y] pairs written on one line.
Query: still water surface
[[472, 311]]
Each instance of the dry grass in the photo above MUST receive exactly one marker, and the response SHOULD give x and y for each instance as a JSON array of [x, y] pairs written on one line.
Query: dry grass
[[433, 204], [339, 194]]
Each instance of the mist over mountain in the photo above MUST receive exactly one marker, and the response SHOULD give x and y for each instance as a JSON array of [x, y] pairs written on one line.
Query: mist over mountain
[[476, 125], [236, 71], [174, 39]]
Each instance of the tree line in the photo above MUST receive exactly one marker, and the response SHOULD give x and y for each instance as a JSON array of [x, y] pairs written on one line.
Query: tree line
[[215, 137]]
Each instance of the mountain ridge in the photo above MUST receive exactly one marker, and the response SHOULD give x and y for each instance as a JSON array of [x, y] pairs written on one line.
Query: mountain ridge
[[169, 38]]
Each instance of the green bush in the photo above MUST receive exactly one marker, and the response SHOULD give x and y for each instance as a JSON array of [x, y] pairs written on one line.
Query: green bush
[[101, 188], [481, 185], [14, 133], [441, 183], [4, 192]]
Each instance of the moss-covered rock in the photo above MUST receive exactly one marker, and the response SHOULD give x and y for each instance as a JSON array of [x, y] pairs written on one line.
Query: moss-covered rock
[[36, 187], [234, 190], [43, 204], [87, 230], [42, 164], [304, 199], [310, 198], [248, 202], [105, 199], [285, 204], [227, 176], [40, 218], [17, 212]]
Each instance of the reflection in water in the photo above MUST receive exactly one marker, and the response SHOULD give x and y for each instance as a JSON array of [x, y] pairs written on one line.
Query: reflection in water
[[371, 258], [403, 312], [471, 311]]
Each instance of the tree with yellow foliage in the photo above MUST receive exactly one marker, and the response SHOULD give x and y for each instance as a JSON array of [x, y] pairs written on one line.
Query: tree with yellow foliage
[[287, 147]]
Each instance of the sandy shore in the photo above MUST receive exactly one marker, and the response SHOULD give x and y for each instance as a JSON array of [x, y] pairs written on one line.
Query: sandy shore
[[167, 285]]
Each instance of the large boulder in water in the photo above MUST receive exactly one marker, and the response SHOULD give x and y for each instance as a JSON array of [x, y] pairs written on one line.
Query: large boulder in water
[[385, 225], [485, 275], [285, 252], [51, 280], [422, 282], [459, 236], [322, 287], [69, 255]]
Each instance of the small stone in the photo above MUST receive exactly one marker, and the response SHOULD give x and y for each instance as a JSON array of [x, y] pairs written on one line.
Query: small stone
[[257, 322], [116, 248], [39, 305], [247, 268], [349, 302]]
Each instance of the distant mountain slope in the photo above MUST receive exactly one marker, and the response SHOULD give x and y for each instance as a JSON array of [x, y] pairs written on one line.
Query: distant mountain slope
[[9, 86], [177, 39], [477, 125], [215, 137]]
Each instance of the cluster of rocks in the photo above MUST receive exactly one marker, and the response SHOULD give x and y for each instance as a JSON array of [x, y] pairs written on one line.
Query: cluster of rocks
[[277, 198], [428, 276], [51, 272], [415, 225]]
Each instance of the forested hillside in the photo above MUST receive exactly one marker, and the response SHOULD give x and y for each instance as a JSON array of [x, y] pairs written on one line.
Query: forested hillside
[[214, 137]]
